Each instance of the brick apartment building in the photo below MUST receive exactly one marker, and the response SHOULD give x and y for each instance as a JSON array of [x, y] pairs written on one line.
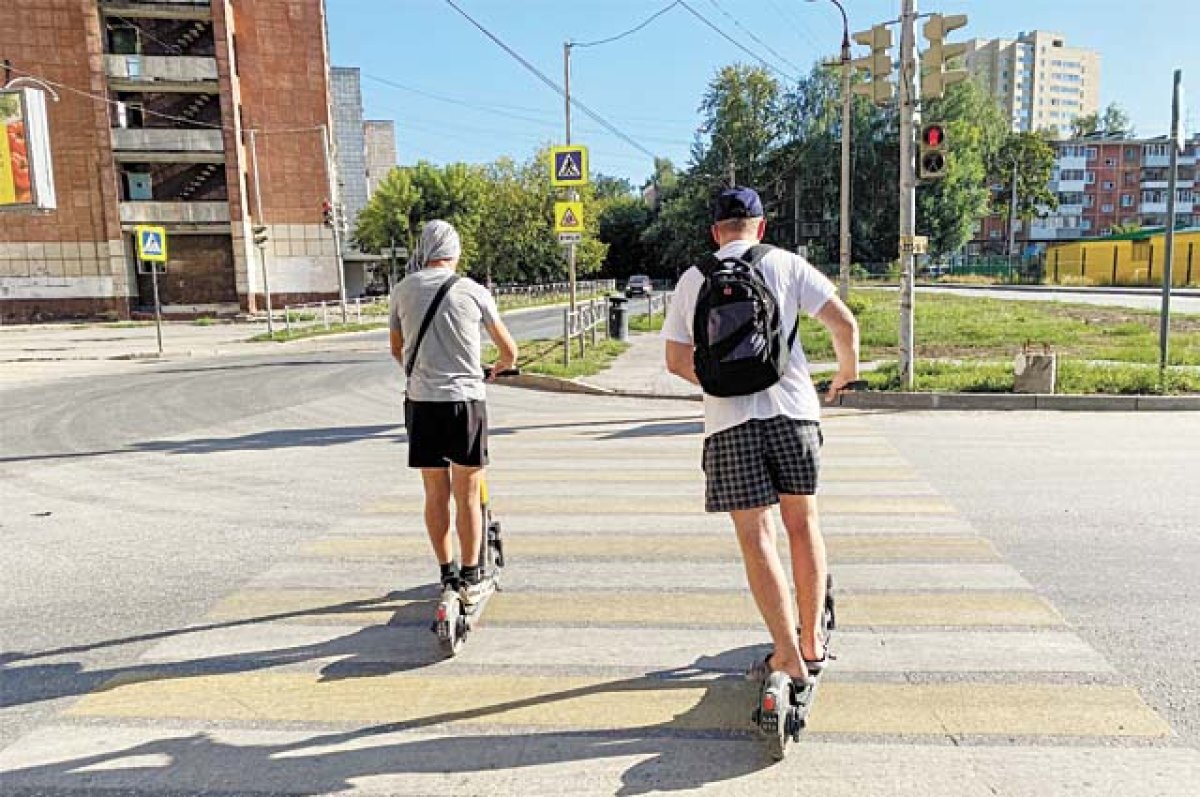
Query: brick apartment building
[[156, 98], [1103, 183]]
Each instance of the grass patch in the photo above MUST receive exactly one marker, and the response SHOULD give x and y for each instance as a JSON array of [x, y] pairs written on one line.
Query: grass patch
[[640, 322], [1075, 378], [204, 321], [966, 327], [282, 335], [546, 357], [127, 324]]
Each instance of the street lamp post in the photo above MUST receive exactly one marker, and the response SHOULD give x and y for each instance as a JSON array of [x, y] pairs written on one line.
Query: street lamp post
[[844, 214]]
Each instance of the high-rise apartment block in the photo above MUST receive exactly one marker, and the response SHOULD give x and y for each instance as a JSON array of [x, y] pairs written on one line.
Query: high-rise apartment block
[[156, 100], [381, 152], [1039, 81]]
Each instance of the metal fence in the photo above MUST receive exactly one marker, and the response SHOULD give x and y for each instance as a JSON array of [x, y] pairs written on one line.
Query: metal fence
[[585, 325], [326, 314], [546, 291]]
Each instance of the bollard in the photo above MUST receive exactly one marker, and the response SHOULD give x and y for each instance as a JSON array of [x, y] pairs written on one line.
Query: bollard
[[566, 337]]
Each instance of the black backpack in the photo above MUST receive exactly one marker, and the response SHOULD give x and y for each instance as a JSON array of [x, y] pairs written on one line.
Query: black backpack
[[737, 330]]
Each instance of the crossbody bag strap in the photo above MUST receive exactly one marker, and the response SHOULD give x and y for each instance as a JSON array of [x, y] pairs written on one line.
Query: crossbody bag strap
[[427, 322]]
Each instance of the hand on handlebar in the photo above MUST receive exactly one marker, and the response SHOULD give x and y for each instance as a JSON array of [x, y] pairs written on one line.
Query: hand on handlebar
[[834, 388], [492, 372]]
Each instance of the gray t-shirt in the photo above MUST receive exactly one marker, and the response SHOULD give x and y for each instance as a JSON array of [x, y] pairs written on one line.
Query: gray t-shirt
[[448, 366]]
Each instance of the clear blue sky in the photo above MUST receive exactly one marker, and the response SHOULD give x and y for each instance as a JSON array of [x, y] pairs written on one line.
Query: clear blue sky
[[650, 84]]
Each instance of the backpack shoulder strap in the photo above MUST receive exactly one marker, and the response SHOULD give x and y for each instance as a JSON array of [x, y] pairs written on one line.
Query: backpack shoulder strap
[[708, 265], [427, 322], [755, 254]]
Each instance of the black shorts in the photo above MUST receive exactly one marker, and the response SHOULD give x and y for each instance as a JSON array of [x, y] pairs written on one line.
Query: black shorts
[[752, 464], [445, 432]]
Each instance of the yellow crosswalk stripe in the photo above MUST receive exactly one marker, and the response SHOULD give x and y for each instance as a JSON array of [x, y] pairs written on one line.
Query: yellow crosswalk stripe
[[677, 505], [608, 704], [643, 609], [645, 547]]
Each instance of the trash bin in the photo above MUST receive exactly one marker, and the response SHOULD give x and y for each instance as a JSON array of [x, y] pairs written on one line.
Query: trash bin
[[618, 318]]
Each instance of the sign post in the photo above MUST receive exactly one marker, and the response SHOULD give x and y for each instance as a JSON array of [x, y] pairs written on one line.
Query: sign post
[[152, 254]]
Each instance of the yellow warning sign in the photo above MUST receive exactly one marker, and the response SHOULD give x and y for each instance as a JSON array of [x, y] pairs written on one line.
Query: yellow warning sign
[[568, 217]]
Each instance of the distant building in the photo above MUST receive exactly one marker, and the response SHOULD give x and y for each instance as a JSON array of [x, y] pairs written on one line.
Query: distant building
[[1104, 183], [154, 130], [1038, 80], [381, 152], [346, 84]]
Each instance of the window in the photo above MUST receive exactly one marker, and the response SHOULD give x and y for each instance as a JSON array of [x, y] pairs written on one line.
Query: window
[[1091, 153], [1089, 177], [1106, 207], [1085, 224], [1130, 153], [1109, 185], [1110, 161], [1089, 201], [1126, 200]]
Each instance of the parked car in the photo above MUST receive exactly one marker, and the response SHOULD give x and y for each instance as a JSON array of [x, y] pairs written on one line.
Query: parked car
[[638, 285]]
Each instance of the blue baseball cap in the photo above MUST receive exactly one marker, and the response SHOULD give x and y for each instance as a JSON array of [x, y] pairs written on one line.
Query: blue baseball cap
[[737, 203]]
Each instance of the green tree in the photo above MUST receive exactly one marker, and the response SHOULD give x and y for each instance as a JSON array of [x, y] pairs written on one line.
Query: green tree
[[621, 226], [1029, 160], [1115, 122], [949, 208], [741, 122], [1085, 125]]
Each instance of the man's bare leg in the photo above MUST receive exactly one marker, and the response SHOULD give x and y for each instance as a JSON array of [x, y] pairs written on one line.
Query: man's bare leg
[[809, 569], [437, 512], [768, 584], [468, 514]]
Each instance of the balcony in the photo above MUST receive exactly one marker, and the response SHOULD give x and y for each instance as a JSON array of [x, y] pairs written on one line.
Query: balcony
[[1070, 187], [1070, 210], [177, 145], [1079, 162], [174, 212], [158, 9], [147, 72]]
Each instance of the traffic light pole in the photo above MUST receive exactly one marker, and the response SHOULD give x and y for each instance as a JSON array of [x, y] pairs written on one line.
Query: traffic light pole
[[909, 93], [1176, 139], [262, 252], [847, 102], [337, 235]]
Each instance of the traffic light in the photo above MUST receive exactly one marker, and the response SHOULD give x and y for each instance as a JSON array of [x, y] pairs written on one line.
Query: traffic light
[[878, 65], [327, 213], [260, 234], [932, 157], [935, 74]]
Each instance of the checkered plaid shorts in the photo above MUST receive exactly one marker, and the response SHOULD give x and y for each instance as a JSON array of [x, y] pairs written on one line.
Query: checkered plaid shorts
[[750, 465]]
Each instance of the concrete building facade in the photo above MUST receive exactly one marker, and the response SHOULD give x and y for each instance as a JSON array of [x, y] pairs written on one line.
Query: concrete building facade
[[351, 141], [156, 98], [381, 152], [1039, 81]]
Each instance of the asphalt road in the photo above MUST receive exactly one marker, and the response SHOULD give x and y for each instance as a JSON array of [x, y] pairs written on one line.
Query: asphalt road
[[152, 519]]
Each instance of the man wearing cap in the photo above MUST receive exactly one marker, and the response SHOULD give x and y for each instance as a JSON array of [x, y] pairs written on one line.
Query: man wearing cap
[[434, 319], [763, 448]]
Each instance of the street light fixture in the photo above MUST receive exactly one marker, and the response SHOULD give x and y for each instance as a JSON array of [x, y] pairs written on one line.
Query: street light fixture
[[844, 233]]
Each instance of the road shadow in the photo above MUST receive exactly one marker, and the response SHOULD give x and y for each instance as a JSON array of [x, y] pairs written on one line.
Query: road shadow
[[675, 755], [658, 429], [402, 642]]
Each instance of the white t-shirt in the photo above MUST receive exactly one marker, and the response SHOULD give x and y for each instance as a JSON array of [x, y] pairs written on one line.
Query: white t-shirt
[[798, 286]]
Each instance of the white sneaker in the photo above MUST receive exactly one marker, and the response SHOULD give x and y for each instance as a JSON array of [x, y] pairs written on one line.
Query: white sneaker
[[472, 594]]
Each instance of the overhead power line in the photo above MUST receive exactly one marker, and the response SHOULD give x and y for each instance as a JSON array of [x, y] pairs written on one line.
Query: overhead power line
[[757, 40], [629, 32], [710, 24], [597, 118]]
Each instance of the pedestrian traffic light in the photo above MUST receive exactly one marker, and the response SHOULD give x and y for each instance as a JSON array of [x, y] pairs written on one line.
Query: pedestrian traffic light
[[327, 213], [260, 235], [932, 157], [935, 72], [877, 65]]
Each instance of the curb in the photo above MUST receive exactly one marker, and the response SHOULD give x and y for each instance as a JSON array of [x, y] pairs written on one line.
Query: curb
[[1184, 292], [1010, 402]]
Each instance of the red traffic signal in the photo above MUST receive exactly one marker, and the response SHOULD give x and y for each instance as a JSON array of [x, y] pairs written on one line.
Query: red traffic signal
[[933, 136], [327, 212]]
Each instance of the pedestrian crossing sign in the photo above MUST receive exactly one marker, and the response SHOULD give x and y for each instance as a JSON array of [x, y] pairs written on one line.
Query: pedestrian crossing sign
[[152, 244], [568, 166], [568, 217]]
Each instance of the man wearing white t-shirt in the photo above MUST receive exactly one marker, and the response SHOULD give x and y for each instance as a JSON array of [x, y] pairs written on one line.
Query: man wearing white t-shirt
[[763, 448]]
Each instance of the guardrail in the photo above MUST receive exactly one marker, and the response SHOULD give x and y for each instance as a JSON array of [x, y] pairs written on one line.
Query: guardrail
[[325, 314], [586, 321], [655, 303]]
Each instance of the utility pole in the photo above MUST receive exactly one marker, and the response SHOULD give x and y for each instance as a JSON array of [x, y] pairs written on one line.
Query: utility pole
[[337, 234], [572, 195], [1012, 216], [262, 250], [1176, 144], [909, 92], [847, 100]]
